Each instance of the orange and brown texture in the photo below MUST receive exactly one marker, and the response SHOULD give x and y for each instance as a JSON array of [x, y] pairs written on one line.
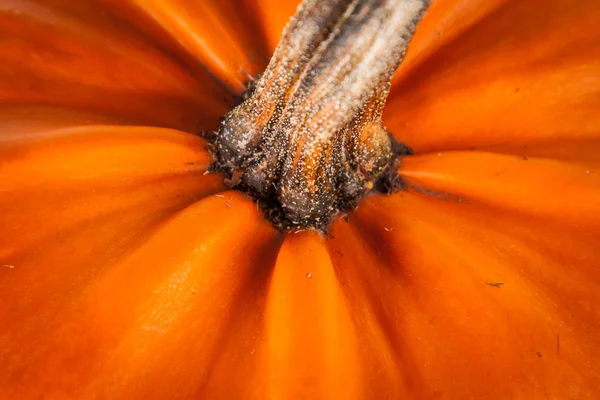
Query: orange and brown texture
[[138, 258]]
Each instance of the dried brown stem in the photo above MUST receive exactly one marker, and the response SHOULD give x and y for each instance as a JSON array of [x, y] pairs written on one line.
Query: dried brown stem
[[308, 140]]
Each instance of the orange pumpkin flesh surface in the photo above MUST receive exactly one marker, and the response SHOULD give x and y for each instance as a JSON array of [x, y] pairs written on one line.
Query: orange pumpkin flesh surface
[[127, 271]]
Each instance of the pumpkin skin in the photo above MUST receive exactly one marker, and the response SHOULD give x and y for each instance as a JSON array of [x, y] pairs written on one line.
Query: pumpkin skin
[[128, 272]]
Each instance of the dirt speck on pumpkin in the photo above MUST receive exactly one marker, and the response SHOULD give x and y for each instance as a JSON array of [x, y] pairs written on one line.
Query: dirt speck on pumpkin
[[495, 284]]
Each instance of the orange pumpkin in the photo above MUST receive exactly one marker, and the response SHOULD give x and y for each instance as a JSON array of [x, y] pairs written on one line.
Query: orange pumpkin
[[129, 272]]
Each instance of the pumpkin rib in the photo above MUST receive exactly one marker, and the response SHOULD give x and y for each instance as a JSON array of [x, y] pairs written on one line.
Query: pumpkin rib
[[165, 168], [189, 152], [389, 364], [571, 193], [94, 132], [130, 325], [110, 245], [553, 264], [52, 59], [93, 13], [445, 23], [308, 326], [190, 293], [429, 277], [412, 317], [505, 84], [209, 31]]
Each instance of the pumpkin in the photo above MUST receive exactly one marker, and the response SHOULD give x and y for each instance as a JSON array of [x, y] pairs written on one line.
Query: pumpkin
[[129, 270]]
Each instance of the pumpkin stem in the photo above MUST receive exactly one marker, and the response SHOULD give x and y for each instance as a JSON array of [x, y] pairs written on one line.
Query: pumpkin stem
[[307, 141]]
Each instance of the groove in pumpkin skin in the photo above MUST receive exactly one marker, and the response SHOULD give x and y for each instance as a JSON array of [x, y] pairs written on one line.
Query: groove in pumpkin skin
[[575, 151], [433, 193], [29, 123]]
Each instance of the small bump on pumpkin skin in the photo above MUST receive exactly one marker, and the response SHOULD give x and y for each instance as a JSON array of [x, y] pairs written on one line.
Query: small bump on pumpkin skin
[[307, 142]]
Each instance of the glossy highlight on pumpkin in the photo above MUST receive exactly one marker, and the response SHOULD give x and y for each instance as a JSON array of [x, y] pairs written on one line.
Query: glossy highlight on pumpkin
[[127, 271]]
